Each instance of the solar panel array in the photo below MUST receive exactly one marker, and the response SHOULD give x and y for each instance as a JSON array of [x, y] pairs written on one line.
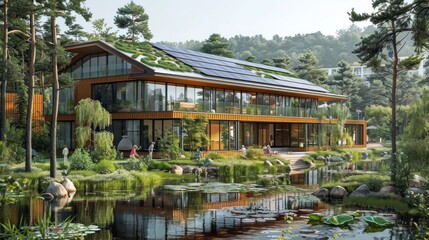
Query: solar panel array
[[223, 67]]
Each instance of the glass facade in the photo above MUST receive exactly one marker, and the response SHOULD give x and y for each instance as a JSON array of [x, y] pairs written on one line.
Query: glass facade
[[99, 65], [137, 96], [65, 135]]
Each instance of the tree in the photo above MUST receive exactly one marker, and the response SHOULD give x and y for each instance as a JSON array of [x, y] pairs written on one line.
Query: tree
[[76, 32], [308, 68], [195, 131], [392, 17], [101, 31], [56, 9], [133, 18], [217, 45], [4, 77], [282, 63]]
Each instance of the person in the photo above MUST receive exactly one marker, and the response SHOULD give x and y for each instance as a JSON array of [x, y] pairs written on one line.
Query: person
[[133, 153], [65, 152], [265, 150], [243, 151], [269, 150], [151, 147]]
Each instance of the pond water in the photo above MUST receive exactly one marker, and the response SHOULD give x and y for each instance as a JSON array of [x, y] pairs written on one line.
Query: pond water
[[178, 214]]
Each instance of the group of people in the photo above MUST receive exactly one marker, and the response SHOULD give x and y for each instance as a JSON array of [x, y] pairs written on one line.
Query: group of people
[[267, 150], [135, 155]]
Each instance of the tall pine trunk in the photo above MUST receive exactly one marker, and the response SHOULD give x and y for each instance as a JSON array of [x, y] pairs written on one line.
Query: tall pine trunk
[[55, 86], [394, 158], [29, 120], [4, 79]]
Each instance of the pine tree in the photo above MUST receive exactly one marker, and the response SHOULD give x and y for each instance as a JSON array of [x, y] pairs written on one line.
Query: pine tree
[[308, 68], [133, 18], [217, 45]]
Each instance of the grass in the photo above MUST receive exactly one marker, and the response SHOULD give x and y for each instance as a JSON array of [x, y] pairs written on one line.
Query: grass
[[350, 183], [378, 202]]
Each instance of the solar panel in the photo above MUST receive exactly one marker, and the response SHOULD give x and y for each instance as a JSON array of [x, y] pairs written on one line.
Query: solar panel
[[218, 66]]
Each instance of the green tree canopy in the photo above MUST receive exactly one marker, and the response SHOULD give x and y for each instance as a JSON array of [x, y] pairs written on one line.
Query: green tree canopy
[[308, 68], [133, 17], [217, 45]]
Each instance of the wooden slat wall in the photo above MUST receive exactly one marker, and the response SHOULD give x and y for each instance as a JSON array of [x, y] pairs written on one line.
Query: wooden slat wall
[[12, 111]]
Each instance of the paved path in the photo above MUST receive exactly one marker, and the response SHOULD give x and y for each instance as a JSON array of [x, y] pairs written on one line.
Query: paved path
[[293, 159]]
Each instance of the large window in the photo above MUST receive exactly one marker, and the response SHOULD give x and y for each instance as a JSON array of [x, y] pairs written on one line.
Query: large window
[[99, 65], [66, 101], [137, 96], [65, 135]]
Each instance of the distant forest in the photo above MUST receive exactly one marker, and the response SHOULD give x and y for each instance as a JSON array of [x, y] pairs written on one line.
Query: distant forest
[[328, 49]]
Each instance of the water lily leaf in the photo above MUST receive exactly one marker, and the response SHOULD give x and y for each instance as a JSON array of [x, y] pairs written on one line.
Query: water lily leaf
[[315, 216], [378, 221], [339, 220]]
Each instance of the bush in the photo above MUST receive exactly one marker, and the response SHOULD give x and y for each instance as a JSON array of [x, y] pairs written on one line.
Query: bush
[[254, 154], [135, 165], [104, 167], [160, 165], [80, 160], [214, 155]]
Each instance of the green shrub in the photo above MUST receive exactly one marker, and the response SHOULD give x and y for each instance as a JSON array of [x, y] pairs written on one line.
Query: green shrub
[[104, 167], [80, 160], [160, 165], [135, 165], [254, 154], [214, 155]]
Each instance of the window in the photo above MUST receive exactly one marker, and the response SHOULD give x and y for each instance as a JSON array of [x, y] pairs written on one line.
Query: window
[[65, 135]]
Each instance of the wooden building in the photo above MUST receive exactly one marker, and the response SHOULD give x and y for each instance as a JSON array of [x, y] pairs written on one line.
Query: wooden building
[[148, 88]]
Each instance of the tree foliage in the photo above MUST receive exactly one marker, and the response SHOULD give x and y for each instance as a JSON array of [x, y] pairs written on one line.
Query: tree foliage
[[195, 131], [309, 69], [217, 45], [133, 18]]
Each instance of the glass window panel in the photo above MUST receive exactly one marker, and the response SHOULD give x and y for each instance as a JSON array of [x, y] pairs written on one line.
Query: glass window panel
[[93, 71], [147, 134], [77, 70], [199, 99], [66, 101], [160, 97], [224, 136], [111, 63], [132, 129], [85, 67], [220, 101], [102, 65], [171, 97], [65, 135], [158, 131]]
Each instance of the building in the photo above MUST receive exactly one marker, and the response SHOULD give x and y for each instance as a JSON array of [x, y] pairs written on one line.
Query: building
[[149, 88]]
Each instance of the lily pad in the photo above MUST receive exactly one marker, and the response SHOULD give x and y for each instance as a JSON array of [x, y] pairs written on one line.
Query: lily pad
[[377, 221], [339, 220], [315, 216]]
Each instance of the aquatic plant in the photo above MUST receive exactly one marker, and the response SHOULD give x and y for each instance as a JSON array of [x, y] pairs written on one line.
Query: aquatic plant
[[377, 221], [373, 201], [339, 220]]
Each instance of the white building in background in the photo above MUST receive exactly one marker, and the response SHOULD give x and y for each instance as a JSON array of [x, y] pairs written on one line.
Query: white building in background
[[364, 71]]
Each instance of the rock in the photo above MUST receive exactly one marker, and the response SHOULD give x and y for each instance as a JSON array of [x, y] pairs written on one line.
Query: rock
[[338, 192], [364, 156], [321, 158], [187, 169], [197, 171], [415, 191], [418, 181], [321, 193], [361, 191], [208, 162], [68, 185], [389, 190], [176, 170], [267, 163], [278, 162], [47, 196], [57, 190], [302, 164], [336, 159]]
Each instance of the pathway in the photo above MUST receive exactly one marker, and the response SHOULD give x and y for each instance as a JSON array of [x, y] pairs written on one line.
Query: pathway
[[293, 159]]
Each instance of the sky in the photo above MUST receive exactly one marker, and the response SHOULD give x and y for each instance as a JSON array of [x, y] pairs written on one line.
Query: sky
[[182, 20]]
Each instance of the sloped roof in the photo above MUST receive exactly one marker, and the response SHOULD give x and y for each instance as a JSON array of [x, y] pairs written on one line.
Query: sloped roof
[[161, 60]]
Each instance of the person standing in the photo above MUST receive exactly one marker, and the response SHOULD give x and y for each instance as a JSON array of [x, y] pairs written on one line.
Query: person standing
[[65, 153], [243, 151], [151, 147]]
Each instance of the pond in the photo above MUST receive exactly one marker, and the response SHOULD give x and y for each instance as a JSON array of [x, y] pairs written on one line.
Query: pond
[[200, 211]]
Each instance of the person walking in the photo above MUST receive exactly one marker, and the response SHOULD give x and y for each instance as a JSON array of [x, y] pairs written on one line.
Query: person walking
[[133, 154], [151, 147]]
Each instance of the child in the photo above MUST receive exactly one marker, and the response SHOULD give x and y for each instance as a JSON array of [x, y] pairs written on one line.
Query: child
[[133, 153]]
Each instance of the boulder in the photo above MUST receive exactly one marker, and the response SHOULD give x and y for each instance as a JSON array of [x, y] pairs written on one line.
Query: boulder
[[187, 169], [389, 190], [47, 196], [57, 190], [336, 159], [417, 181], [321, 193], [267, 163], [321, 158], [364, 156], [415, 191], [361, 191], [338, 192], [278, 162], [176, 170], [68, 185], [208, 162]]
